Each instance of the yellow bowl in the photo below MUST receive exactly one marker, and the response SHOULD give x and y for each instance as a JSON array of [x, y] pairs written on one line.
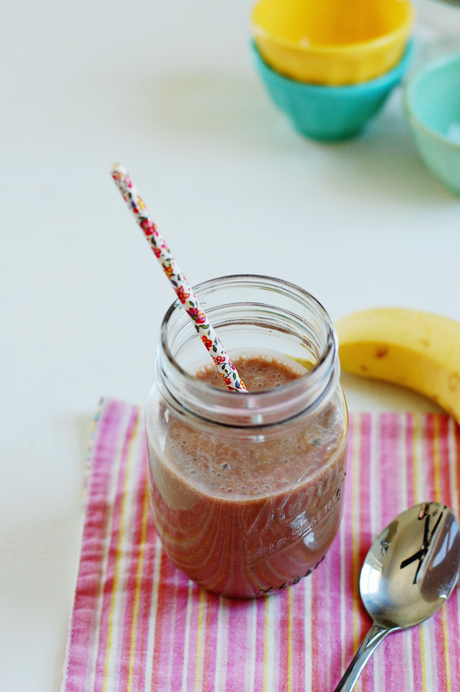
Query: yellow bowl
[[332, 42]]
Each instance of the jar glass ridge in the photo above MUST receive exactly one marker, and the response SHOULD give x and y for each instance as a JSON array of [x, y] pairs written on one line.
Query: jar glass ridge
[[247, 488]]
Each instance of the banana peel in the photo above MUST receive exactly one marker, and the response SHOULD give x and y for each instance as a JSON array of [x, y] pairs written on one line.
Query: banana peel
[[411, 348]]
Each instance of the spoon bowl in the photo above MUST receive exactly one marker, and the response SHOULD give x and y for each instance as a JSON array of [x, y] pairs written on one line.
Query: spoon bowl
[[408, 574]]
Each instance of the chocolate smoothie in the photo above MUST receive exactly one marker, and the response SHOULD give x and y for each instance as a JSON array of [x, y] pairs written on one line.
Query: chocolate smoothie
[[246, 513]]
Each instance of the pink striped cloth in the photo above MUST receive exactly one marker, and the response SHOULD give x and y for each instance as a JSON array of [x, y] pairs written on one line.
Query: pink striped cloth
[[138, 624]]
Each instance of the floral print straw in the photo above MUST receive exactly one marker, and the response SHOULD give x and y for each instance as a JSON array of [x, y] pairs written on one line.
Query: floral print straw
[[183, 290]]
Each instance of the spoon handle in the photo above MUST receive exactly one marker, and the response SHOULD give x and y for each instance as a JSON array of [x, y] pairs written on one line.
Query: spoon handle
[[370, 642]]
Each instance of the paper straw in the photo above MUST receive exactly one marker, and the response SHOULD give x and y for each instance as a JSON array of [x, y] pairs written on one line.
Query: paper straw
[[180, 284]]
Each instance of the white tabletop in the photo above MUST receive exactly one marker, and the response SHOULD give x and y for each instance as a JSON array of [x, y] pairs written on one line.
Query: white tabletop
[[169, 89]]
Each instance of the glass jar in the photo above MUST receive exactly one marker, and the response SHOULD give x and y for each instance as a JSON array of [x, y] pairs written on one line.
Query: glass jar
[[246, 489]]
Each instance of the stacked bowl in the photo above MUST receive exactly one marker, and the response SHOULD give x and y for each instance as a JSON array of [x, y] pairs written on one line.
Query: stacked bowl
[[331, 64]]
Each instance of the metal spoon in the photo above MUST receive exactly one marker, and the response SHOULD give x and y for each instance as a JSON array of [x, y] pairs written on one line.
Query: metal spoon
[[408, 573]]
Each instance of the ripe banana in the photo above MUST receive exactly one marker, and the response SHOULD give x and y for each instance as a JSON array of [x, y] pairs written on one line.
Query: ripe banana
[[414, 349]]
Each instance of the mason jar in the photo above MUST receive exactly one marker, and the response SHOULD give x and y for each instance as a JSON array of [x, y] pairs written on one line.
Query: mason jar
[[246, 488]]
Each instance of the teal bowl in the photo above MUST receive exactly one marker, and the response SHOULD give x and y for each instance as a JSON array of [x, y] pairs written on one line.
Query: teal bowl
[[329, 113], [432, 107]]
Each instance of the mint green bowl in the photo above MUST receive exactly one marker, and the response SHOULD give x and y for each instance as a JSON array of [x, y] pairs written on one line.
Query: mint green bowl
[[329, 113], [432, 107]]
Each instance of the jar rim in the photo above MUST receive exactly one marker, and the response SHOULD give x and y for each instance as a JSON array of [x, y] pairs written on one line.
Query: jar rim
[[316, 378]]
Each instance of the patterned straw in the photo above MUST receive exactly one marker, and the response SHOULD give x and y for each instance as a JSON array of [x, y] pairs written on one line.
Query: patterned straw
[[183, 290]]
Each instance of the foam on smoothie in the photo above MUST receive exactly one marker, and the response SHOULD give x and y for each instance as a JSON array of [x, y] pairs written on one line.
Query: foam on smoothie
[[253, 469]]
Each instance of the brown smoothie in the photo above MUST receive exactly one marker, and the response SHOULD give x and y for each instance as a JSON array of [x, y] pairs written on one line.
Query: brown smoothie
[[245, 513]]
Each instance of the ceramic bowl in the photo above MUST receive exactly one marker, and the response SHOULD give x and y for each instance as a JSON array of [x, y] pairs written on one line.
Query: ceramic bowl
[[432, 107], [332, 42], [329, 113]]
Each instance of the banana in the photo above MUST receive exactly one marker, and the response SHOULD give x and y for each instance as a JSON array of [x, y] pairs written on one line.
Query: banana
[[414, 349]]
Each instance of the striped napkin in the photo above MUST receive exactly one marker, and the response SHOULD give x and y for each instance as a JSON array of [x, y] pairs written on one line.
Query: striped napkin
[[138, 624]]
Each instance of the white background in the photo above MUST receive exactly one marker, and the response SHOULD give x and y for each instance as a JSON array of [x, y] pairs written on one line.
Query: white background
[[169, 89]]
